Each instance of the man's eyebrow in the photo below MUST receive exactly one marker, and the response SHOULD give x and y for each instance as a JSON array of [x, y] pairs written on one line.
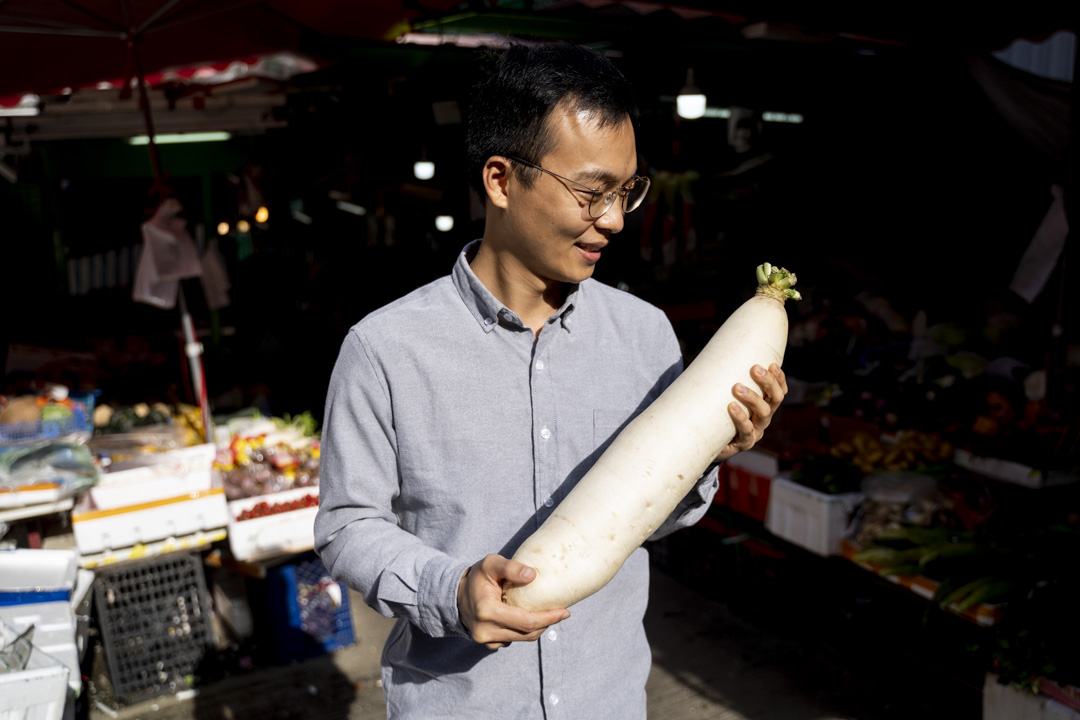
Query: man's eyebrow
[[593, 176]]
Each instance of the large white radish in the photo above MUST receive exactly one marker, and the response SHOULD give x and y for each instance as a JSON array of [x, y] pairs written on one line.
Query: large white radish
[[656, 459]]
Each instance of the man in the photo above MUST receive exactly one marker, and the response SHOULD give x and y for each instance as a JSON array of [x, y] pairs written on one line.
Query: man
[[460, 415]]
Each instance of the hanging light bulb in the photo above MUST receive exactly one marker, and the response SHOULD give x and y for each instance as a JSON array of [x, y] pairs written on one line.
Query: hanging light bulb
[[423, 168], [444, 223], [262, 214], [243, 226], [690, 103], [223, 228]]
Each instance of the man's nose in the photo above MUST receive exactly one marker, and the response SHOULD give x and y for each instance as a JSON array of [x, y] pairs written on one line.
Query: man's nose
[[612, 221]]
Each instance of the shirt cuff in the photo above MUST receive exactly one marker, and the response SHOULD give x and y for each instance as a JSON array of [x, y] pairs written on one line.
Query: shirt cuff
[[437, 597]]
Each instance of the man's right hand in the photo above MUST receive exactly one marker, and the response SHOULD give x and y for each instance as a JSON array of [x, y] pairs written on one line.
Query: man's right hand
[[489, 620]]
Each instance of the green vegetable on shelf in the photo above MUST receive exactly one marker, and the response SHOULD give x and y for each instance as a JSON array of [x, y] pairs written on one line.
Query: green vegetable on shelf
[[55, 413]]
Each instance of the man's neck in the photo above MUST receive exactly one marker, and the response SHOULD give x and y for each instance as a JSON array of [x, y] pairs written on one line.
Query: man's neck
[[530, 298]]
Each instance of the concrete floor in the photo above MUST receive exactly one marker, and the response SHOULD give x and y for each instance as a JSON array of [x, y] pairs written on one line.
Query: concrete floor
[[709, 664]]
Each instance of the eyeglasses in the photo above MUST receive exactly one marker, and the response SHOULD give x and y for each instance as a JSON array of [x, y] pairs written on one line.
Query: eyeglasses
[[605, 195]]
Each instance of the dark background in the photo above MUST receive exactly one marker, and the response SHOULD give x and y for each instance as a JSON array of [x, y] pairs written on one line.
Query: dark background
[[901, 182]]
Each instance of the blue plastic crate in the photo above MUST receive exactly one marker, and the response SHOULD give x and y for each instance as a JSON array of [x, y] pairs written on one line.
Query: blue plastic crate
[[81, 421], [309, 610]]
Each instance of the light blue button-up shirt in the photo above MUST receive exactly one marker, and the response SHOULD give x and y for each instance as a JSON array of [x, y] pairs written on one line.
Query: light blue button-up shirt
[[451, 431]]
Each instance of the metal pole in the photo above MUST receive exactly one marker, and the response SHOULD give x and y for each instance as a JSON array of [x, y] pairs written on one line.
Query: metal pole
[[193, 349]]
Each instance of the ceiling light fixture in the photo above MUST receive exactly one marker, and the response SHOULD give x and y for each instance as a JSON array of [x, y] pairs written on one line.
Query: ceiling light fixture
[[690, 104], [423, 168], [351, 207], [174, 138]]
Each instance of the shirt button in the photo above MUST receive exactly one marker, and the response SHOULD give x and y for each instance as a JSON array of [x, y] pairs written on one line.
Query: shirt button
[[545, 433], [552, 635], [489, 321], [554, 699], [549, 502], [539, 364]]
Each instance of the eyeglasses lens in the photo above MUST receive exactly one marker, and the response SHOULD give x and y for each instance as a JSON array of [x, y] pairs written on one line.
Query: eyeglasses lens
[[637, 193], [609, 192]]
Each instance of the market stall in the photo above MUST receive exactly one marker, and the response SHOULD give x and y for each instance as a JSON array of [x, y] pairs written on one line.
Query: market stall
[[938, 480], [123, 529]]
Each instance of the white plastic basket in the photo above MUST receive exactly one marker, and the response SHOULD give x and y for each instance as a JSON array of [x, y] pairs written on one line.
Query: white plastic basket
[[808, 518], [39, 692]]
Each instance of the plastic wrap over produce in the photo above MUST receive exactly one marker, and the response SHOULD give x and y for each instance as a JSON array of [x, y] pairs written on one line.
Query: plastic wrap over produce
[[68, 467]]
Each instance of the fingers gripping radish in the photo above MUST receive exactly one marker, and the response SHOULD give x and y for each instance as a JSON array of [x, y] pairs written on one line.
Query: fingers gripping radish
[[656, 460]]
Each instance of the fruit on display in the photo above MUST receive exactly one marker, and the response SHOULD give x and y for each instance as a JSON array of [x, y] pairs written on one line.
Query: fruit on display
[[189, 418], [266, 509], [268, 462], [913, 450], [54, 406], [20, 409], [108, 419]]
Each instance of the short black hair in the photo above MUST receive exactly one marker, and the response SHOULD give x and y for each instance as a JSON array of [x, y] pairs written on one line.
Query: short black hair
[[519, 88]]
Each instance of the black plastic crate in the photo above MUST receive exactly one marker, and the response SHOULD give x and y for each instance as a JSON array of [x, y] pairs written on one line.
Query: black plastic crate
[[155, 625]]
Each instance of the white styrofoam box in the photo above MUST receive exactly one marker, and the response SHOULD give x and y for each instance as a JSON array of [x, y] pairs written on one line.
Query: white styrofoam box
[[280, 534], [34, 576], [173, 473], [54, 631], [53, 622], [68, 654], [1011, 471], [808, 518], [97, 530], [34, 495], [1005, 702], [80, 608], [37, 693], [35, 589]]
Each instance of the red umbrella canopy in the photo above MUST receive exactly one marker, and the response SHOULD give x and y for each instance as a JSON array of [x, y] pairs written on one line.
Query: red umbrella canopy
[[46, 45]]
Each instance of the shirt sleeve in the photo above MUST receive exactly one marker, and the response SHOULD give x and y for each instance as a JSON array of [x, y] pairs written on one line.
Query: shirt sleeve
[[696, 503], [357, 535]]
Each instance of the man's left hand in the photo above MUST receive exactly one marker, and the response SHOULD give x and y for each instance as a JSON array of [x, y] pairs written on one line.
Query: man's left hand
[[750, 428]]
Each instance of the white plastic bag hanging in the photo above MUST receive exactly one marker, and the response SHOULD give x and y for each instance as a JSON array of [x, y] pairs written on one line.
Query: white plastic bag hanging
[[168, 255]]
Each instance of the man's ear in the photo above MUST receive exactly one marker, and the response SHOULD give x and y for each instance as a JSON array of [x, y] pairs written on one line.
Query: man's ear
[[496, 176]]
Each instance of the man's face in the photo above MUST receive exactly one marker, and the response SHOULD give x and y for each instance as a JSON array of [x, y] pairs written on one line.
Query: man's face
[[555, 237]]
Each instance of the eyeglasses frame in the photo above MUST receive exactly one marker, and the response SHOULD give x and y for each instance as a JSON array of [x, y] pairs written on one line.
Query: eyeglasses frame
[[624, 190]]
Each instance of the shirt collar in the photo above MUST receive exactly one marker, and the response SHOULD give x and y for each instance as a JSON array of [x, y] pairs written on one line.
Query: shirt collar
[[485, 307]]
